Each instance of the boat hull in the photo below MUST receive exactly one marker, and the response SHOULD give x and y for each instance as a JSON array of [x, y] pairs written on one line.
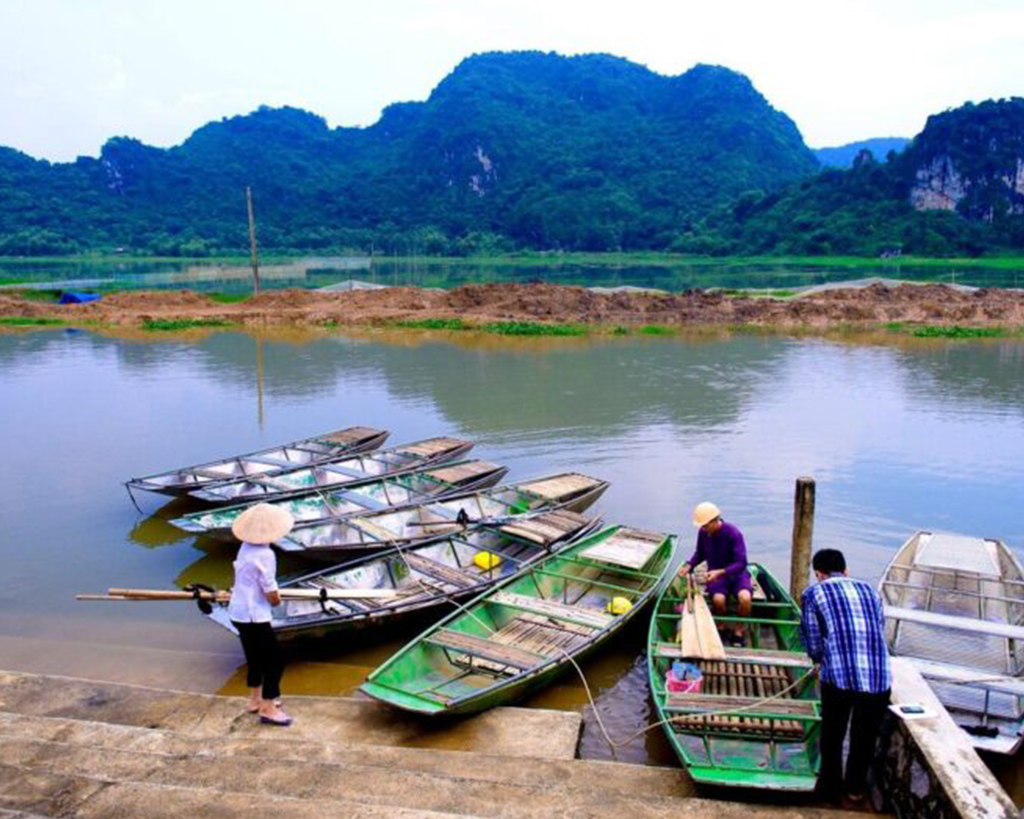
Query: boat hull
[[186, 482]]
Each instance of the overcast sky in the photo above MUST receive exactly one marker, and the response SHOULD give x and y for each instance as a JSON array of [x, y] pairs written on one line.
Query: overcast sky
[[75, 72]]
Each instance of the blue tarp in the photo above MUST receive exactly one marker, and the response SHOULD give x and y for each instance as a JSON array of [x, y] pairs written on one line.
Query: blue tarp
[[68, 297]]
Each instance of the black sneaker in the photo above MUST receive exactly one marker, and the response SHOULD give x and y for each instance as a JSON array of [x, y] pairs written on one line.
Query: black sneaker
[[737, 640]]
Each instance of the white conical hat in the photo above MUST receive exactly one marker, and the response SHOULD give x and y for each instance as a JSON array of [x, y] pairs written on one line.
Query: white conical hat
[[705, 513], [262, 523]]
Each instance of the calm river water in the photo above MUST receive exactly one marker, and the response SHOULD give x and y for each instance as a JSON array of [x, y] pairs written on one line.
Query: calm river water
[[899, 435]]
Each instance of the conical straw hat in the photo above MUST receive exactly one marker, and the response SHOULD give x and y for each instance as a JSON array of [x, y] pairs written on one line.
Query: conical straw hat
[[262, 523]]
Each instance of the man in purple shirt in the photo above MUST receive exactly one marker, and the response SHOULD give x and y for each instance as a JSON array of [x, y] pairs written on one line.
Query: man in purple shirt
[[721, 545]]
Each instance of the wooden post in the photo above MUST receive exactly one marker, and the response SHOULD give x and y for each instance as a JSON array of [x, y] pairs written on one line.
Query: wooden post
[[252, 243], [803, 533]]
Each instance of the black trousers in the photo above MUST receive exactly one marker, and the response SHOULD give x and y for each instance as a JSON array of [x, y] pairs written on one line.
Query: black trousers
[[838, 706], [263, 658]]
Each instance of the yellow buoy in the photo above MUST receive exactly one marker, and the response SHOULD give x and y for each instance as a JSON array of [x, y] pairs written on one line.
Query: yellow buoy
[[619, 605], [487, 560]]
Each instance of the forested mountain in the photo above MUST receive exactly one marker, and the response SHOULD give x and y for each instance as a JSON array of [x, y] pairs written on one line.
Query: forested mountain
[[842, 156], [510, 150], [957, 188]]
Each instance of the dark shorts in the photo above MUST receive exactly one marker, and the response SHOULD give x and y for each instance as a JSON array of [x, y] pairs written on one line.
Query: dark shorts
[[731, 585]]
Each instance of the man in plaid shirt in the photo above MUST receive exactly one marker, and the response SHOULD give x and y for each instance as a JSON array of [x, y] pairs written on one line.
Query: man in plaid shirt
[[843, 630]]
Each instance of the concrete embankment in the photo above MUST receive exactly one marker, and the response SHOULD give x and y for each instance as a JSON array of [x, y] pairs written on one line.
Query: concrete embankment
[[74, 748]]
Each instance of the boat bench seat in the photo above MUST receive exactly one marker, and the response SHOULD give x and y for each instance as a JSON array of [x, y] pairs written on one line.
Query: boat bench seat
[[439, 571], [970, 678], [344, 471], [580, 615], [486, 649], [971, 624], [363, 500], [754, 656], [282, 463], [776, 709]]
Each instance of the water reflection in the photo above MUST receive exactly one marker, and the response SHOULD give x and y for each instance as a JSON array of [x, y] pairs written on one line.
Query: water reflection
[[899, 435]]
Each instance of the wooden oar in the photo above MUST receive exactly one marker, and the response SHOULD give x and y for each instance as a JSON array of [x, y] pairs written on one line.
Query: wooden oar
[[224, 596], [698, 635]]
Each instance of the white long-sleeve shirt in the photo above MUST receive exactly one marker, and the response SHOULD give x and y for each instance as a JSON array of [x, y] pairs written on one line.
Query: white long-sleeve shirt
[[255, 577]]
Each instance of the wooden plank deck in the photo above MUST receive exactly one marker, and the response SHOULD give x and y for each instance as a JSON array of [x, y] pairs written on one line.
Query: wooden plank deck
[[545, 528], [485, 649], [631, 548], [579, 615], [560, 486], [440, 571]]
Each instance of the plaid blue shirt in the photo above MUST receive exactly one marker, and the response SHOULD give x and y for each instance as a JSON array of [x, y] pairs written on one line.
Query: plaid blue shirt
[[843, 629]]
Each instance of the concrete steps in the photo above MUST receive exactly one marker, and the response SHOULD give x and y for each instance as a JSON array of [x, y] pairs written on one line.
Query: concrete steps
[[203, 756]]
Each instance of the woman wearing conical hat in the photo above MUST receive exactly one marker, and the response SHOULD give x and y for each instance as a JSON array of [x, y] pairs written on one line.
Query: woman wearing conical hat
[[253, 596]]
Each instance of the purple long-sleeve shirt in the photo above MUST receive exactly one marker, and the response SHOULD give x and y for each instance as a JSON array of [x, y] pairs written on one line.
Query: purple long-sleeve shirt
[[724, 549]]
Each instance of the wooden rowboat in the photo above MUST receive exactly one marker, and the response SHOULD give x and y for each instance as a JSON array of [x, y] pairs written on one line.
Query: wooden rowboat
[[357, 469], [732, 732], [330, 446], [373, 496], [517, 637], [510, 505], [955, 606], [426, 578]]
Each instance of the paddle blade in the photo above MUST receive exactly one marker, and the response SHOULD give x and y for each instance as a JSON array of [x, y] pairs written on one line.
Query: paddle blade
[[710, 640]]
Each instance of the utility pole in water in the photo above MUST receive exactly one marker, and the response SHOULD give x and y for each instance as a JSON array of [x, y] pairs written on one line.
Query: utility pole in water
[[252, 243]]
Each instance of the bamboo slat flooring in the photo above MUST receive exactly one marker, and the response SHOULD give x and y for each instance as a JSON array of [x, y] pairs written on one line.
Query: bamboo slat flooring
[[735, 684]]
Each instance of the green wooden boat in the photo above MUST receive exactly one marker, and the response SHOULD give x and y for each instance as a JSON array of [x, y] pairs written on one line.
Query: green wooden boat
[[772, 743], [514, 639]]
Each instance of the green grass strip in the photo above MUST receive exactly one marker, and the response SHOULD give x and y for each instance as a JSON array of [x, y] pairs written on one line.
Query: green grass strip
[[530, 328], [170, 325], [958, 332], [657, 330], [434, 324], [228, 298], [28, 321]]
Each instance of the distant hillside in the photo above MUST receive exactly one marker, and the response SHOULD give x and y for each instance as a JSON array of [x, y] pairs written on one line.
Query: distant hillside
[[842, 156], [957, 188], [510, 150]]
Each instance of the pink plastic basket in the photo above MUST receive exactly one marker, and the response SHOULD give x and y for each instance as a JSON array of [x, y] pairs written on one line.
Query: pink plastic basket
[[681, 686]]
